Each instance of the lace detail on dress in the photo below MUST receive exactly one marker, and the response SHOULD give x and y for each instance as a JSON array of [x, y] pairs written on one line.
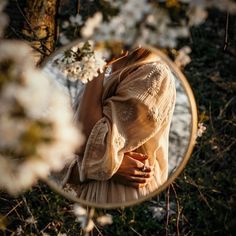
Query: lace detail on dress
[[96, 148], [153, 78], [171, 104], [119, 142], [153, 114], [102, 175], [150, 84]]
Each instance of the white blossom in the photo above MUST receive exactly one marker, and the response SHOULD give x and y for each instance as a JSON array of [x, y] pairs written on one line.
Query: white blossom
[[201, 129], [144, 25], [84, 217], [183, 57], [65, 24], [79, 210], [105, 220], [19, 230], [91, 24], [86, 68], [159, 210], [63, 39], [197, 15], [76, 20], [36, 130]]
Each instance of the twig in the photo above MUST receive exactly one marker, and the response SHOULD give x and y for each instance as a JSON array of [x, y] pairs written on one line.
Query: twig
[[18, 204], [178, 209], [201, 194], [135, 231], [185, 219], [35, 35], [22, 13], [167, 209], [226, 106], [30, 213], [43, 195], [95, 226], [226, 42], [41, 231], [211, 120], [19, 216]]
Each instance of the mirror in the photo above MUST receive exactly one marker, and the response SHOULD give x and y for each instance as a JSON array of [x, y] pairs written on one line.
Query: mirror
[[179, 128]]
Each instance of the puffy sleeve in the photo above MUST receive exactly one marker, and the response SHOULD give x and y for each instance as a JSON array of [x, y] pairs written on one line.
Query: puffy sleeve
[[141, 104]]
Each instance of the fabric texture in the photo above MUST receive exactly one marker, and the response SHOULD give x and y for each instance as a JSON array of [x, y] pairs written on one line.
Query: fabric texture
[[137, 115]]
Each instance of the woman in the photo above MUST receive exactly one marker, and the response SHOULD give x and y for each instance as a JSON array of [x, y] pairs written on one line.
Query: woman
[[126, 120]]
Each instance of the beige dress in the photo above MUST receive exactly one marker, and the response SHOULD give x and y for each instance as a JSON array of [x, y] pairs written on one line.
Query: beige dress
[[137, 115]]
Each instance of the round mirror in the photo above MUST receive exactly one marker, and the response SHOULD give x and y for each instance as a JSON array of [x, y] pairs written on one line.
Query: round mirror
[[146, 132]]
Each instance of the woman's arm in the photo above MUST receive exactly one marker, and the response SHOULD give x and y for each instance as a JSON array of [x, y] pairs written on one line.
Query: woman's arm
[[90, 110]]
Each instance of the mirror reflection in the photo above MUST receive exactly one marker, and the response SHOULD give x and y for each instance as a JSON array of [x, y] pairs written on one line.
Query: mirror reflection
[[136, 118]]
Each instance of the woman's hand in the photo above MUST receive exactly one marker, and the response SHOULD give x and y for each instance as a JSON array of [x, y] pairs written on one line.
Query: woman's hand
[[133, 171]]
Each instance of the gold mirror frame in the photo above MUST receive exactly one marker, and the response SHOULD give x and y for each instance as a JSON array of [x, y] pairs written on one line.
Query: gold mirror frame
[[185, 159]]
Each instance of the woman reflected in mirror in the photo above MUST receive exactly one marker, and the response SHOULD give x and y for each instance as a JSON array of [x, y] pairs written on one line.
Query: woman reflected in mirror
[[125, 113]]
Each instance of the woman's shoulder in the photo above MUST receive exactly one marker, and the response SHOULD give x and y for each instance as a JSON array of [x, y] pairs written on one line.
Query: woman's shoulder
[[148, 80], [159, 67], [152, 73]]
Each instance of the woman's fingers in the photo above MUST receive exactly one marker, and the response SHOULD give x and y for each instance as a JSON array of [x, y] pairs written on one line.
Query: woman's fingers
[[138, 156], [134, 167], [142, 174], [134, 179], [145, 168]]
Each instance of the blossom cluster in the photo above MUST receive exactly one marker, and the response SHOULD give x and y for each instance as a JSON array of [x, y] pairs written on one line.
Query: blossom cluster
[[37, 135], [81, 62], [145, 22], [86, 218]]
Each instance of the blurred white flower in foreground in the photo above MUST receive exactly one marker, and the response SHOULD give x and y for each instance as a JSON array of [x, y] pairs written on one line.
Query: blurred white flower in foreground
[[81, 62], [61, 234], [105, 220], [91, 24], [84, 217], [197, 15], [37, 135], [183, 57]]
